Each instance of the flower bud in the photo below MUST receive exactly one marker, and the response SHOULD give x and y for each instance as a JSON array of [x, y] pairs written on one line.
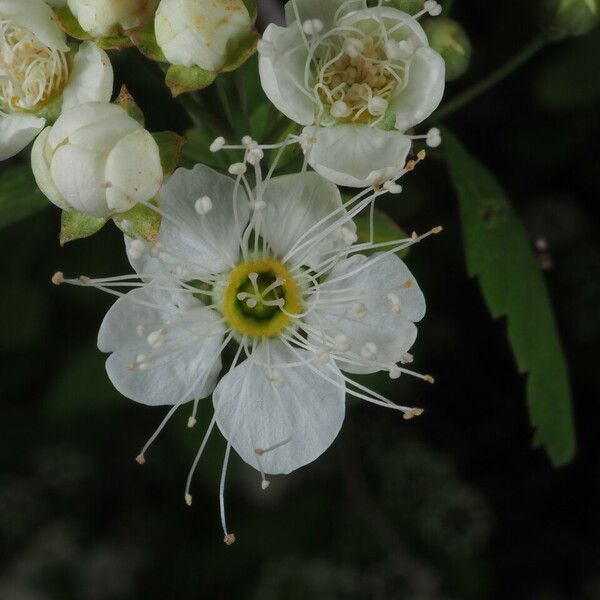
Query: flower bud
[[569, 18], [449, 39], [103, 18], [96, 160], [201, 32]]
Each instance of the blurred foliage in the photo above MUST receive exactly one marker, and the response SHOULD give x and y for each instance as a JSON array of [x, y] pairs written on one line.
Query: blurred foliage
[[454, 505]]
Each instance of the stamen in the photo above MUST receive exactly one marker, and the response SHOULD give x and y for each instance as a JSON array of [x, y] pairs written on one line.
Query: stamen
[[203, 205]]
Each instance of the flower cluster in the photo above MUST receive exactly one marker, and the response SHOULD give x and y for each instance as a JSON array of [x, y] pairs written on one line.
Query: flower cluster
[[254, 288]]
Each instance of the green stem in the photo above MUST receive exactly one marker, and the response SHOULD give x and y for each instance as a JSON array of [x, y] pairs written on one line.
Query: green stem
[[224, 99], [491, 80]]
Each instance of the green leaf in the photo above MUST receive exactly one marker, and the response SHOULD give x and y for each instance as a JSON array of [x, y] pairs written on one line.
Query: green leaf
[[19, 195], [144, 38], [75, 226], [139, 222], [260, 121], [498, 252], [169, 146], [385, 229], [125, 100], [243, 51], [188, 79]]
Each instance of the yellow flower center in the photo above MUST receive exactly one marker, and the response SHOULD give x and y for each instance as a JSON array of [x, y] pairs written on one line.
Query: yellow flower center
[[255, 295]]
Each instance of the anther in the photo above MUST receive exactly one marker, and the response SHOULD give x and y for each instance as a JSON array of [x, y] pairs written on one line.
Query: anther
[[342, 342], [406, 358], [191, 422], [353, 47], [348, 236], [155, 339], [433, 8], [255, 155], [392, 187], [258, 205], [251, 302], [421, 155], [413, 412], [395, 372], [415, 236], [229, 539], [137, 249], [369, 350], [312, 26], [322, 354], [237, 168], [203, 205], [84, 279], [58, 278], [378, 106], [188, 499], [264, 484], [410, 165], [217, 144], [437, 229], [140, 459], [247, 141], [339, 109], [428, 379], [277, 378], [434, 137]]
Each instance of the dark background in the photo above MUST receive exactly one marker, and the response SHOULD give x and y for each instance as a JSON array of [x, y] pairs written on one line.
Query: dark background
[[455, 504]]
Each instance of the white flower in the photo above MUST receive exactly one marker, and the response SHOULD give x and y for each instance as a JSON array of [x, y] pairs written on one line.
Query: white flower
[[97, 160], [357, 78], [274, 273], [102, 18], [36, 71], [200, 32]]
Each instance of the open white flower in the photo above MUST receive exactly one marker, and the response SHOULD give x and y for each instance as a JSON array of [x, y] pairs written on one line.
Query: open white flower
[[97, 160], [38, 74], [357, 78], [102, 18], [274, 272], [200, 32]]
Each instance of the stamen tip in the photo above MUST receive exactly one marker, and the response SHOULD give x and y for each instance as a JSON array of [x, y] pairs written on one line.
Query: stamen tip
[[191, 422], [229, 539], [428, 379], [140, 459], [437, 229], [188, 499], [58, 278], [259, 451], [264, 484]]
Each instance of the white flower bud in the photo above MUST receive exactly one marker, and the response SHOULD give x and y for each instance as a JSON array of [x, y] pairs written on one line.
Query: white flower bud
[[103, 18], [97, 160], [200, 32]]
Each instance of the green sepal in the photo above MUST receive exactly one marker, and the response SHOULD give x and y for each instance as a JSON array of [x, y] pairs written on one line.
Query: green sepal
[[385, 229], [388, 123], [125, 100], [144, 39], [251, 8], [242, 52], [76, 225], [51, 109], [188, 79], [140, 222], [169, 146], [69, 24], [67, 21]]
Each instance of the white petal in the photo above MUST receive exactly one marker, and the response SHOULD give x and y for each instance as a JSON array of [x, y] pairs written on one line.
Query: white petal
[[325, 10], [36, 16], [424, 90], [41, 157], [209, 242], [305, 410], [188, 371], [16, 131], [146, 265], [373, 278], [83, 115], [91, 79], [282, 74], [296, 203], [133, 171], [351, 154], [102, 136], [78, 174]]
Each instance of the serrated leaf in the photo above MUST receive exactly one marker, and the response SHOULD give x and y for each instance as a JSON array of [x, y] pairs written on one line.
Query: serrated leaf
[[20, 196], [188, 79], [498, 252], [125, 100], [169, 146], [385, 229], [243, 51], [75, 226], [139, 222], [144, 38]]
